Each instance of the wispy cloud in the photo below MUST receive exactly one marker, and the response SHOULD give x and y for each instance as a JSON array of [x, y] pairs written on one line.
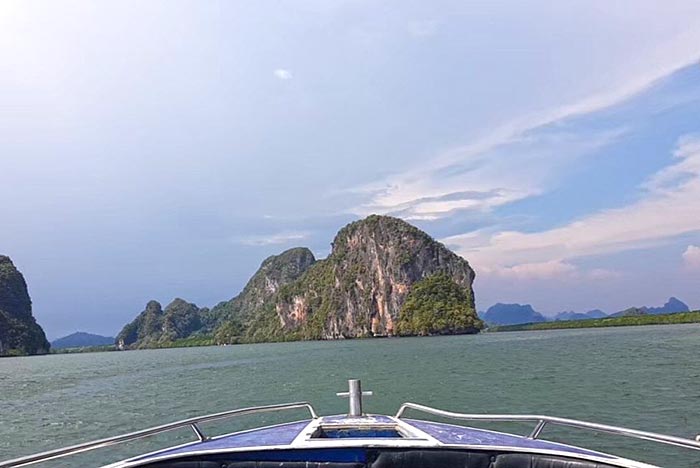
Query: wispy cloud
[[670, 198], [283, 74], [277, 238], [487, 169], [534, 143], [691, 257]]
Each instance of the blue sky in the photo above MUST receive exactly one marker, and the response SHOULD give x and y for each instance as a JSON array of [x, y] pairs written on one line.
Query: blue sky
[[163, 149]]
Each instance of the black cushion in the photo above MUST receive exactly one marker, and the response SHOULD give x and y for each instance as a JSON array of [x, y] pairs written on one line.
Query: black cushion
[[251, 464], [525, 460], [431, 459], [412, 458], [185, 464]]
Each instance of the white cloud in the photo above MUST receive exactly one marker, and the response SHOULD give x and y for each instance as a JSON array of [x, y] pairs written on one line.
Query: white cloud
[[669, 206], [526, 271], [283, 74], [691, 257], [284, 237], [553, 270]]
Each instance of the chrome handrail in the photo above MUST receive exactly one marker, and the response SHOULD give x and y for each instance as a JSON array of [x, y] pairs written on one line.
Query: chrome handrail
[[120, 439], [542, 421]]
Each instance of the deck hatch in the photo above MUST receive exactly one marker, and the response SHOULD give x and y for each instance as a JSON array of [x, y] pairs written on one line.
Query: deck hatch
[[358, 432]]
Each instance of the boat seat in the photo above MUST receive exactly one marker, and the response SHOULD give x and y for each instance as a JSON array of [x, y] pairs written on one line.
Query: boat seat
[[412, 458], [462, 459], [526, 460], [431, 459], [188, 464], [252, 464]]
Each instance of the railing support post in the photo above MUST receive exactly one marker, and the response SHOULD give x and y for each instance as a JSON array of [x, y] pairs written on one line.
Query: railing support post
[[198, 432], [537, 430]]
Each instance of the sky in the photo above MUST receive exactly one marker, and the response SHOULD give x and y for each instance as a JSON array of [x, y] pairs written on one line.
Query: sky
[[162, 149]]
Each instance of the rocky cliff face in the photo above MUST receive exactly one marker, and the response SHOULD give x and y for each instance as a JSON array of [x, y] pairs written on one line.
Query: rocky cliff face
[[360, 288], [276, 271], [19, 332]]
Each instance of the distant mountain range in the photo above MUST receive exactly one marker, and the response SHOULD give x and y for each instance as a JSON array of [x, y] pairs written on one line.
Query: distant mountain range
[[81, 340], [513, 314], [673, 305]]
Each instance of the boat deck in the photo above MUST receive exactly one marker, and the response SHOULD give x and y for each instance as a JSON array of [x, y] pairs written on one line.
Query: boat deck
[[304, 435]]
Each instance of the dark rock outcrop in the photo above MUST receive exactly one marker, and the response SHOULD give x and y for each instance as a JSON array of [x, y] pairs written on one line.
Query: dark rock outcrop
[[631, 311], [20, 334], [512, 314], [672, 306], [81, 340], [156, 327], [596, 314], [571, 315]]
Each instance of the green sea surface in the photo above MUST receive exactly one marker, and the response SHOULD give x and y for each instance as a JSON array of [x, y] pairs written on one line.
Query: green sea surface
[[642, 377]]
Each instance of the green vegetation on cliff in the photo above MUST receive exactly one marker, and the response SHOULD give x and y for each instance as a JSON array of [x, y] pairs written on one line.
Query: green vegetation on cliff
[[620, 321], [19, 332], [436, 305]]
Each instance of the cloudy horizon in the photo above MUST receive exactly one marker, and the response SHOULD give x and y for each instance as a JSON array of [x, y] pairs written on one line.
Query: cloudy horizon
[[164, 149]]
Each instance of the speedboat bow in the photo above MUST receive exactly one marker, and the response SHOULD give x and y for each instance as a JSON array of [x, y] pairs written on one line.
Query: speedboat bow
[[358, 440]]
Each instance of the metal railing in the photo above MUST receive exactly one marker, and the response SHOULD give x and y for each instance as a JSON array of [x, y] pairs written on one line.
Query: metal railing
[[192, 423], [542, 421]]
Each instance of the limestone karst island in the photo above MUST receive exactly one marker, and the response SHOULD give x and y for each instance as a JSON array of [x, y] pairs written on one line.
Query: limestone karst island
[[383, 277]]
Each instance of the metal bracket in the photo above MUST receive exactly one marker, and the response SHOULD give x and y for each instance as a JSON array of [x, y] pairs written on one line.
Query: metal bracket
[[354, 394]]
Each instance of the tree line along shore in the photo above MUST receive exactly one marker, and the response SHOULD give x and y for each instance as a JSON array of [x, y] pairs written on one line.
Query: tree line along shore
[[624, 321]]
